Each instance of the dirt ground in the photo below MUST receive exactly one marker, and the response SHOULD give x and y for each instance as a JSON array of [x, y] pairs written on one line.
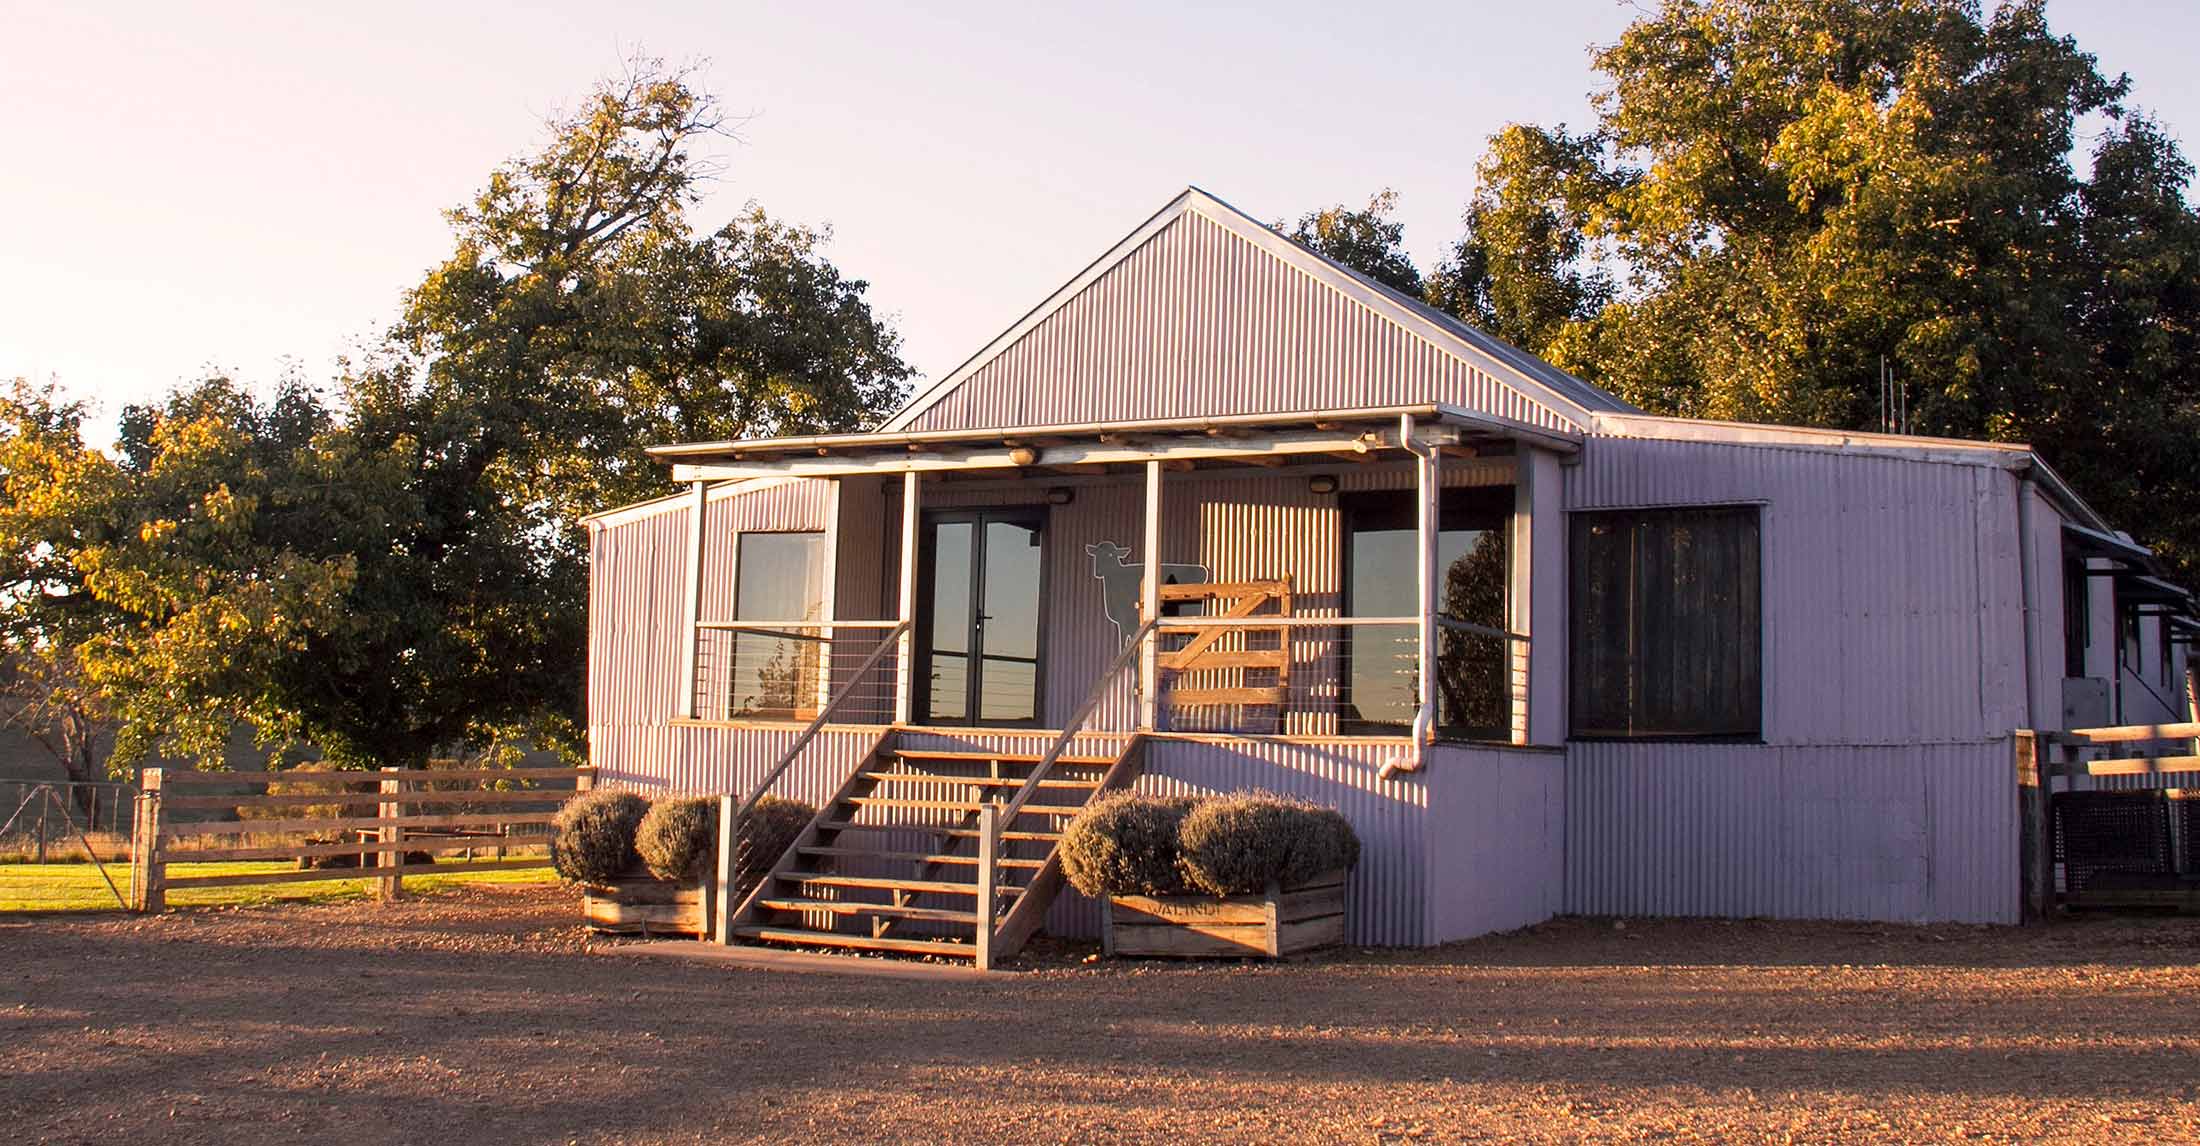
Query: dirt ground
[[485, 1016]]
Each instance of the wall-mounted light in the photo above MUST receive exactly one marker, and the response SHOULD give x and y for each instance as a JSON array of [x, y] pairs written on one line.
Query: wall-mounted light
[[1322, 483], [1023, 455], [1060, 495]]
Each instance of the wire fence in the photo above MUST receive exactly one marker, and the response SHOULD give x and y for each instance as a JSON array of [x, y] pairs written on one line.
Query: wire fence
[[61, 821], [789, 672]]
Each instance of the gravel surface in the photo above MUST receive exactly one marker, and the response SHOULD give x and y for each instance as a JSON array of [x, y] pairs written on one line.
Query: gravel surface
[[483, 1016]]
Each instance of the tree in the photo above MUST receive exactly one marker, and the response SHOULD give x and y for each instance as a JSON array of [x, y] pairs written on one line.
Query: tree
[[1780, 195], [398, 570], [1368, 241]]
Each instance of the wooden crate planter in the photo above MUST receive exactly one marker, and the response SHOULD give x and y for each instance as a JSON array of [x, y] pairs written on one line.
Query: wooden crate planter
[[1283, 922], [642, 904]]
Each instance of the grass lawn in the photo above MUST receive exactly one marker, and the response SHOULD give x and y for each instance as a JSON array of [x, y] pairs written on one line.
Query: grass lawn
[[77, 886]]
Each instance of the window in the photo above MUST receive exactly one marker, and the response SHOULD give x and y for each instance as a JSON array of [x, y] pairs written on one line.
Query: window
[[2162, 646], [777, 577], [1665, 629], [1379, 695]]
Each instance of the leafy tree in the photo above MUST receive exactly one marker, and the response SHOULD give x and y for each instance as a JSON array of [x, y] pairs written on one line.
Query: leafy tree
[[1367, 240], [399, 569], [1778, 195]]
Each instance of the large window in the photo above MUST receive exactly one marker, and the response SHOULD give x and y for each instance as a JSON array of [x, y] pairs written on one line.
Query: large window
[[1665, 628], [777, 577], [1379, 691]]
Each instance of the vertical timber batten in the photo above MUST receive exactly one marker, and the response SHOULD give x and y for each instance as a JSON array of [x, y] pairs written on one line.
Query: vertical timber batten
[[698, 506], [1149, 604], [905, 675]]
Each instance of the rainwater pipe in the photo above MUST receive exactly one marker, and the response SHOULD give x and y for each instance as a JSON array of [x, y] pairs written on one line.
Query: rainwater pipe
[[1426, 522]]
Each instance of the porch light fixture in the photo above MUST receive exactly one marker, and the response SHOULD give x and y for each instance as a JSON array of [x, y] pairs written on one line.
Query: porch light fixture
[[1322, 483], [1060, 495], [1023, 455]]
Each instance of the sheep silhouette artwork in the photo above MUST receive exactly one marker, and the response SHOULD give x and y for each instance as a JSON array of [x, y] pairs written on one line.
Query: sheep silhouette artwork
[[1120, 582]]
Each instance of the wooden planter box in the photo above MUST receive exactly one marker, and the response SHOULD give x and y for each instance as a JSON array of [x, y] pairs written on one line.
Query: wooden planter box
[[1283, 922], [642, 904]]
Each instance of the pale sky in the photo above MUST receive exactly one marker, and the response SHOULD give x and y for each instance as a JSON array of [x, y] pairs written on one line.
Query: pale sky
[[189, 187]]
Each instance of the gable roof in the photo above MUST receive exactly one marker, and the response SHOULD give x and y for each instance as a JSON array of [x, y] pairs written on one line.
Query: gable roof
[[1248, 277]]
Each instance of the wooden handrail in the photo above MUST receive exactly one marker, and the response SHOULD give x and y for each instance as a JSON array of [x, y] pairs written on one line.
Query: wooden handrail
[[1077, 720], [2127, 734], [888, 643]]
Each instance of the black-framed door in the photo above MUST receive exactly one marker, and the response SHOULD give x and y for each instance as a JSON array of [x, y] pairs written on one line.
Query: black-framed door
[[980, 643]]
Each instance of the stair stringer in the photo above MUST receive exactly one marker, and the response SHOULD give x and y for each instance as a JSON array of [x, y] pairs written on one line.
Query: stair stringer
[[1030, 910], [788, 860]]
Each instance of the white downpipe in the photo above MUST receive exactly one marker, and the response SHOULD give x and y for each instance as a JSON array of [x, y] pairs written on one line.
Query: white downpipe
[[1429, 486]]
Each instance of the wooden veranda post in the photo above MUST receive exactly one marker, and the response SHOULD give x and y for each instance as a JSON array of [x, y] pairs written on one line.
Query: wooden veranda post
[[729, 853], [390, 858], [2036, 849], [989, 843], [906, 644], [1149, 604], [148, 874], [1427, 522], [690, 633]]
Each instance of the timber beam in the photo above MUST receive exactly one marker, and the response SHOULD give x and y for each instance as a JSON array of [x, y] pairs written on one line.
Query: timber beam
[[1246, 449]]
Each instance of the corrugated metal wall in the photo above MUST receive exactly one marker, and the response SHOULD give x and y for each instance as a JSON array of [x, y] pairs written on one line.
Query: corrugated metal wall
[[1903, 833], [1199, 321], [1892, 607], [1893, 674], [1496, 839]]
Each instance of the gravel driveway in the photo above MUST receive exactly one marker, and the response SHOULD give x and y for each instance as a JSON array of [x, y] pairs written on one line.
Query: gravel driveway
[[485, 1016]]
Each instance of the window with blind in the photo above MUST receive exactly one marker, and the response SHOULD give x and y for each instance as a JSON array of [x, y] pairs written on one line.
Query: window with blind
[[1666, 634]]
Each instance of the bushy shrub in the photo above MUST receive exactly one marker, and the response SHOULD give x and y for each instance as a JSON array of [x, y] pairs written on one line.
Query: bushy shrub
[[1125, 844], [679, 837], [1241, 843], [592, 838], [767, 832]]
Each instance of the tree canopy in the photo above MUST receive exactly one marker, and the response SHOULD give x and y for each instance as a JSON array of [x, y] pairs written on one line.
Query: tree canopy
[[394, 564], [1778, 196]]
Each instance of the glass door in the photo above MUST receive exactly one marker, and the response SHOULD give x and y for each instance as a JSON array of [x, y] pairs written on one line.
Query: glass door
[[978, 638]]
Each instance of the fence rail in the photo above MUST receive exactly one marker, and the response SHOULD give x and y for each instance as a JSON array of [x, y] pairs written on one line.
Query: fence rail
[[414, 812]]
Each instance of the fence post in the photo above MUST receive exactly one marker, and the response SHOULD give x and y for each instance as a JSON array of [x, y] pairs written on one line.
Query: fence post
[[989, 842], [390, 859], [2035, 788], [147, 872], [45, 805], [729, 847]]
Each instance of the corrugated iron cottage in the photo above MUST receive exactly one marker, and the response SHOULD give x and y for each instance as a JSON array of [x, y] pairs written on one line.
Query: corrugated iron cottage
[[1223, 514]]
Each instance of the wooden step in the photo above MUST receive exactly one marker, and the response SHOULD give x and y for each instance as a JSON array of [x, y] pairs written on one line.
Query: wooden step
[[888, 883], [956, 806], [804, 938], [963, 833], [1022, 758], [1188, 697], [914, 857], [879, 910], [977, 781]]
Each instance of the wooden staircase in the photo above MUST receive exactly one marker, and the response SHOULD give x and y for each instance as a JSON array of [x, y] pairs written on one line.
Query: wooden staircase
[[891, 863]]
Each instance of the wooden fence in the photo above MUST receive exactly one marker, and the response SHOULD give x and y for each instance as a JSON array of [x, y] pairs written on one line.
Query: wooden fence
[[2042, 757], [393, 813]]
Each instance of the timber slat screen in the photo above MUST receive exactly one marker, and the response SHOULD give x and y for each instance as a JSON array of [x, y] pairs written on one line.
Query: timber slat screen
[[396, 815]]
